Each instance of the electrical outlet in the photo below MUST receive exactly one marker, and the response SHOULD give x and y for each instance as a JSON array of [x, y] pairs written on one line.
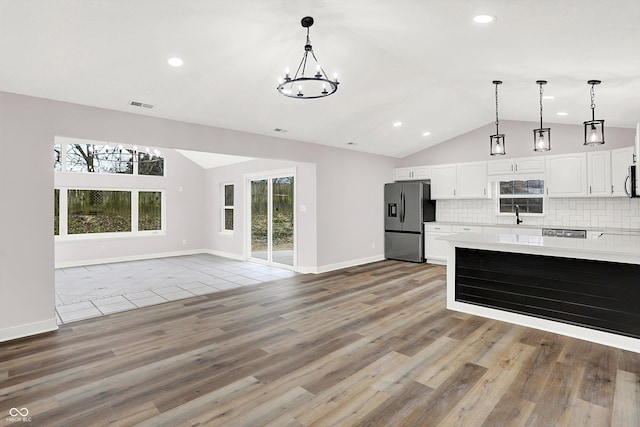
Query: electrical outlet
[[184, 241], [373, 245]]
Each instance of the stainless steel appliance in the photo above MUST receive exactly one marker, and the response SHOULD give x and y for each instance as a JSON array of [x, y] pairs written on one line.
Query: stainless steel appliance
[[561, 232], [633, 180], [407, 206]]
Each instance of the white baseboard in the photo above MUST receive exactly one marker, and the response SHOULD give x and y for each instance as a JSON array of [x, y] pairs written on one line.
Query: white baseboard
[[230, 255], [28, 329], [339, 265], [128, 258], [224, 254]]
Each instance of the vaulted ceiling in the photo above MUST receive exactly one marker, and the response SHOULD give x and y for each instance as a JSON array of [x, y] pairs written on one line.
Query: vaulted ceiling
[[424, 63]]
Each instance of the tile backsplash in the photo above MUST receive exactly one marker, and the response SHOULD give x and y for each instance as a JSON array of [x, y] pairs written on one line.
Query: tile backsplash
[[600, 212]]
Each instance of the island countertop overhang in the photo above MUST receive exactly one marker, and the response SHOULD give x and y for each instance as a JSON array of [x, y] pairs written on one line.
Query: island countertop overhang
[[613, 248]]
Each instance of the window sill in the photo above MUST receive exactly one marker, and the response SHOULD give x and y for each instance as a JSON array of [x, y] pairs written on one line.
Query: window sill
[[103, 236]]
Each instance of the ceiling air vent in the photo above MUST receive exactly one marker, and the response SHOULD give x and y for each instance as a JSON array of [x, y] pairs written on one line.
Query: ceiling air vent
[[140, 104]]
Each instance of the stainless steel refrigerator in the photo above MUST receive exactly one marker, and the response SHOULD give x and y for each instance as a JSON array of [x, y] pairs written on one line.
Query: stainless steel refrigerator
[[407, 206]]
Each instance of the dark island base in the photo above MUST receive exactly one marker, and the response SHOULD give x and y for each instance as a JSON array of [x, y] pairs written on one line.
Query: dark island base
[[596, 294]]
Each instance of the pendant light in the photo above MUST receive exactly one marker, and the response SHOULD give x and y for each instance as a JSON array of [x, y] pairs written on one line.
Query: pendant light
[[593, 129], [541, 136], [497, 140]]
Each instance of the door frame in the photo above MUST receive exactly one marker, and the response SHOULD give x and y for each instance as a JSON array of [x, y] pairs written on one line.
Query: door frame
[[269, 176]]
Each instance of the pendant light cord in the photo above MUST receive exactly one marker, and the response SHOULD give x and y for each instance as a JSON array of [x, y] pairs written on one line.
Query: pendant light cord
[[541, 92], [497, 121], [593, 102]]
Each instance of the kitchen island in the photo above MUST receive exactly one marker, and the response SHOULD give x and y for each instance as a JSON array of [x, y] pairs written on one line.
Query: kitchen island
[[583, 288]]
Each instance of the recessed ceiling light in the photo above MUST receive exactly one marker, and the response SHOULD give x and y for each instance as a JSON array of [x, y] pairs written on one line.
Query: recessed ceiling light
[[484, 19], [175, 62], [397, 124], [563, 113], [548, 97], [426, 133]]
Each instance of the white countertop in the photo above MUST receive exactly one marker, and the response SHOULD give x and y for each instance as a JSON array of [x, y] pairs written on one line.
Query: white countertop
[[616, 248], [540, 227]]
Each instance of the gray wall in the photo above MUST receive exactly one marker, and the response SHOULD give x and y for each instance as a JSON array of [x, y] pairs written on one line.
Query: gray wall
[[234, 244], [183, 186], [348, 205]]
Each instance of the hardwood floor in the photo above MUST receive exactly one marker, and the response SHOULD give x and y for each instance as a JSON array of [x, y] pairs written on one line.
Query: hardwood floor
[[365, 346]]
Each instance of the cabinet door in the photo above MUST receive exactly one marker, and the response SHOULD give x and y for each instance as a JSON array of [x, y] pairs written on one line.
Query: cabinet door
[[403, 174], [599, 173], [471, 182], [443, 182], [566, 175], [621, 159], [422, 172], [529, 165], [500, 167], [434, 249]]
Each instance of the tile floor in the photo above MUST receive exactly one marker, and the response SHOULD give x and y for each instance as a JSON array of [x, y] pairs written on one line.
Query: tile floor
[[96, 290]]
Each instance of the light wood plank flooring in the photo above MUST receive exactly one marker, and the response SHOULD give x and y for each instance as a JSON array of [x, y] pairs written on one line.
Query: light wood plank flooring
[[365, 346]]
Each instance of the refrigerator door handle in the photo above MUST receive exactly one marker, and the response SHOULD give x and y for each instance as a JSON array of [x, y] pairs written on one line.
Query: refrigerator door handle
[[402, 206]]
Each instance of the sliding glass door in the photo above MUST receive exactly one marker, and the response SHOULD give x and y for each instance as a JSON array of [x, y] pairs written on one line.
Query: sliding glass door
[[272, 219]]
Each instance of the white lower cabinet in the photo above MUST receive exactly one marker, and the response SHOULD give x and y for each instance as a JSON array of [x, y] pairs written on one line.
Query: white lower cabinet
[[435, 251]]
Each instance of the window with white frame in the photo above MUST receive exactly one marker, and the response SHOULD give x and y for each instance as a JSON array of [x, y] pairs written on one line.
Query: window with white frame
[[527, 194], [90, 157], [80, 212], [228, 210]]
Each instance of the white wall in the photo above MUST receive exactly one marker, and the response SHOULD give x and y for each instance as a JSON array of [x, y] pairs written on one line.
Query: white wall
[[348, 207], [183, 187], [474, 145], [233, 244]]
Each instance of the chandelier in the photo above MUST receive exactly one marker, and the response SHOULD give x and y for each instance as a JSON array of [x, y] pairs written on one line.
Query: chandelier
[[307, 86]]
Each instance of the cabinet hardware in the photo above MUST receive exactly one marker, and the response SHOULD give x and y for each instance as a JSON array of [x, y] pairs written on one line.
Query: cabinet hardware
[[611, 188], [516, 168], [590, 190], [511, 168]]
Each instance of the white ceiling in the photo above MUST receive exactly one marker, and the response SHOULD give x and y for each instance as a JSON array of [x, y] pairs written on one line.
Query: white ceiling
[[422, 62]]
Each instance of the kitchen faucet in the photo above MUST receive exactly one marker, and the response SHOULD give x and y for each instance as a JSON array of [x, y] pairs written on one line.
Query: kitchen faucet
[[518, 220]]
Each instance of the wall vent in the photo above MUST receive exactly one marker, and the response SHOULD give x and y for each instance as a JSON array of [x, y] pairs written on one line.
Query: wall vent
[[280, 130], [140, 104]]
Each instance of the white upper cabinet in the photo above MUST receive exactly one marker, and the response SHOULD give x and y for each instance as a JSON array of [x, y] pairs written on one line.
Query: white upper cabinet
[[621, 159], [459, 181], [412, 173], [519, 165], [402, 174], [599, 173], [443, 181], [472, 180], [566, 175]]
